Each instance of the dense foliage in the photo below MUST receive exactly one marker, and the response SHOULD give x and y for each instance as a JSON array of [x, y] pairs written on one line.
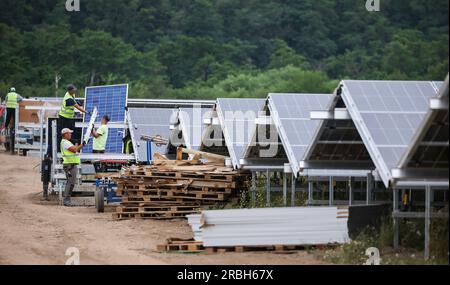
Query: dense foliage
[[218, 48]]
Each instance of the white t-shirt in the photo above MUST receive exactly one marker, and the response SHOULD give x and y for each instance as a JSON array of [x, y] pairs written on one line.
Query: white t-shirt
[[67, 144]]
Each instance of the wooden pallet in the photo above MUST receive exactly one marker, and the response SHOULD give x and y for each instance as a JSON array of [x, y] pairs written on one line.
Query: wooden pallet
[[167, 199], [204, 196], [182, 246], [169, 182], [158, 203], [273, 248], [179, 245], [156, 208], [155, 215], [188, 175], [136, 187], [178, 193]]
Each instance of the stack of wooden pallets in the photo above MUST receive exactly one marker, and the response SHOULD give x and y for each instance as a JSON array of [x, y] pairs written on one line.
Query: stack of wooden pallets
[[175, 188]]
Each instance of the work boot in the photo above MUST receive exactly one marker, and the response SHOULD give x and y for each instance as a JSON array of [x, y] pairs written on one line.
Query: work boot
[[67, 203]]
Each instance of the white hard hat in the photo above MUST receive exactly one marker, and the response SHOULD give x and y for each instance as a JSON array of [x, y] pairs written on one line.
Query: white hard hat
[[65, 131], [13, 89]]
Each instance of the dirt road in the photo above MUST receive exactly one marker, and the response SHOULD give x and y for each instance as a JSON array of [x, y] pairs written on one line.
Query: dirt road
[[36, 232]]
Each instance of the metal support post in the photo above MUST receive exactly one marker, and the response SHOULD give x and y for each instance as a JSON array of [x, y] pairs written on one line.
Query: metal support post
[[428, 201], [369, 188], [331, 190], [41, 139], [284, 189], [293, 190], [267, 188], [253, 194], [350, 191], [15, 131], [396, 220], [54, 148], [310, 192]]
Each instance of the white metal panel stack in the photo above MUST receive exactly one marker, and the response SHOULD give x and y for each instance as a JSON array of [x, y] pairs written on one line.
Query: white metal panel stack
[[195, 223], [272, 226]]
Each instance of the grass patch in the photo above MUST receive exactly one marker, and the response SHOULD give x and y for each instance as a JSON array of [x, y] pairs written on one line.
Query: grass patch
[[411, 240]]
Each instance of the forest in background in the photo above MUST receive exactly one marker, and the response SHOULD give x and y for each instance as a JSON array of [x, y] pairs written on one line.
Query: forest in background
[[206, 49]]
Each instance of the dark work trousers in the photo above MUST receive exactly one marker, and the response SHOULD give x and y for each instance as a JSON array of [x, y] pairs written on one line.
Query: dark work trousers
[[10, 115], [61, 124], [98, 165], [71, 171]]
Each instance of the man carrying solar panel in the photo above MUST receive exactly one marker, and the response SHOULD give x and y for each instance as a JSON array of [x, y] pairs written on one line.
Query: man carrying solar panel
[[100, 137], [67, 111]]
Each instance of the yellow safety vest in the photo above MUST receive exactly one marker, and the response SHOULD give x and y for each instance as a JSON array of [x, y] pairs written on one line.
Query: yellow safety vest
[[12, 100], [68, 156], [128, 145], [67, 111]]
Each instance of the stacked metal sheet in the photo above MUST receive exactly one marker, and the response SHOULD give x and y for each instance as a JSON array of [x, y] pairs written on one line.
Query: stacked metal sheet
[[271, 226], [195, 223]]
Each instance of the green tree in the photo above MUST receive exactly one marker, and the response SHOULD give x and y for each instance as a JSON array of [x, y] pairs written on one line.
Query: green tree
[[283, 55]]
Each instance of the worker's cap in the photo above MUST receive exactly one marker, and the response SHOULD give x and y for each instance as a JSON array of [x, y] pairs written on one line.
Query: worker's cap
[[71, 87], [13, 89], [65, 131]]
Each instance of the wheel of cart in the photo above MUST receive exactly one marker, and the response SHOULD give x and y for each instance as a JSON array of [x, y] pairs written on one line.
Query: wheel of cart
[[105, 193]]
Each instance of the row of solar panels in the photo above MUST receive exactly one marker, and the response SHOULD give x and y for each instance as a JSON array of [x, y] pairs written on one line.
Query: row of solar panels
[[387, 126]]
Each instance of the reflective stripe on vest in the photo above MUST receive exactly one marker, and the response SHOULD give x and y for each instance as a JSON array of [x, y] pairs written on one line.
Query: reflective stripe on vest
[[128, 145], [67, 111], [12, 100], [68, 156]]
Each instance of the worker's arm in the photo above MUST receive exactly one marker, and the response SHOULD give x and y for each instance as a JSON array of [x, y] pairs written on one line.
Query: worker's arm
[[76, 148], [95, 134], [81, 109], [19, 98]]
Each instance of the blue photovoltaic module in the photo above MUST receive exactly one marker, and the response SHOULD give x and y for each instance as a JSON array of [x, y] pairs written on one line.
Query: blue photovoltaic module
[[110, 100]]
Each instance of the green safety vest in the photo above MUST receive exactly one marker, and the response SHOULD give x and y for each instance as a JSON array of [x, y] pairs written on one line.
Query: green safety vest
[[67, 111], [68, 156], [100, 142], [12, 100]]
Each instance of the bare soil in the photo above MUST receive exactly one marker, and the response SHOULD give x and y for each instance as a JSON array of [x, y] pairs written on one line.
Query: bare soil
[[33, 231]]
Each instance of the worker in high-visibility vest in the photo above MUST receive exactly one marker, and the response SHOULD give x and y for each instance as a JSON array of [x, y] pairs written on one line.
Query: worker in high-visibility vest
[[99, 142], [12, 100], [67, 112], [71, 160]]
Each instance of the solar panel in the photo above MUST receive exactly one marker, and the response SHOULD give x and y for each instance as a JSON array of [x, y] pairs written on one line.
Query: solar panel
[[429, 148], [151, 122], [387, 114], [237, 117], [191, 121], [110, 100], [291, 115]]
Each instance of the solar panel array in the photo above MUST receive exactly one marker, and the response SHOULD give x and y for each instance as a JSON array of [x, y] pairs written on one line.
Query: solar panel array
[[431, 151], [151, 122], [390, 112], [191, 121], [110, 100], [238, 119], [291, 114]]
